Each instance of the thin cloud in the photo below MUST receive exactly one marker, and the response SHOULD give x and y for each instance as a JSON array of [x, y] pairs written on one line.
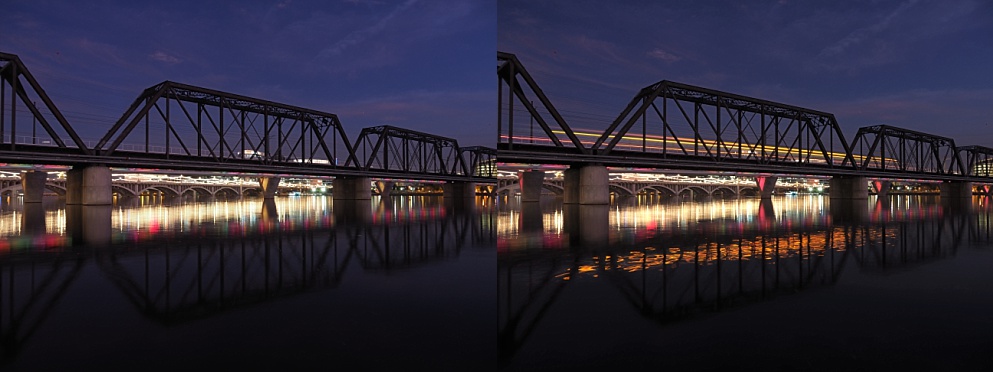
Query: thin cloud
[[663, 55], [860, 35], [164, 57], [358, 36]]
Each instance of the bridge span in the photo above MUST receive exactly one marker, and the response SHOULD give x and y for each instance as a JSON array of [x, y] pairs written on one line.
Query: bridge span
[[176, 126], [680, 127]]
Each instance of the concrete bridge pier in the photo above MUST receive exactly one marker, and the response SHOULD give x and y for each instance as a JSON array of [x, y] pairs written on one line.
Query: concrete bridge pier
[[849, 188], [586, 185], [459, 190], [351, 188], [385, 188], [956, 192], [89, 185], [531, 182], [766, 184], [882, 188], [33, 185], [269, 186]]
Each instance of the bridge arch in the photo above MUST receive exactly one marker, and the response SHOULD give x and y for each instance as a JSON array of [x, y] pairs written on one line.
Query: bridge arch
[[724, 192], [621, 190], [226, 191], [196, 188], [169, 191]]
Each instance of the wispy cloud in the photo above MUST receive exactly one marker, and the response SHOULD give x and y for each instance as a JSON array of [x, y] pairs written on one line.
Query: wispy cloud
[[860, 35], [358, 36], [661, 54], [164, 57]]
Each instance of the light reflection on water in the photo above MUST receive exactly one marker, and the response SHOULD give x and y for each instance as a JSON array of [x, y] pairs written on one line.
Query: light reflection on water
[[245, 284], [644, 265]]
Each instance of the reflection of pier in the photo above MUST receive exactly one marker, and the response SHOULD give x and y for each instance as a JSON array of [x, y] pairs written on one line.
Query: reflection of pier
[[177, 278], [672, 276]]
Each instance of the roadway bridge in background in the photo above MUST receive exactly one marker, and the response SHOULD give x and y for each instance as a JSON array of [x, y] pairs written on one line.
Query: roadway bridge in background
[[680, 127], [175, 126]]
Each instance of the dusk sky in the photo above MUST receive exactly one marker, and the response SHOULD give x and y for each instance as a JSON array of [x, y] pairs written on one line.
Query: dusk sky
[[425, 65], [922, 65]]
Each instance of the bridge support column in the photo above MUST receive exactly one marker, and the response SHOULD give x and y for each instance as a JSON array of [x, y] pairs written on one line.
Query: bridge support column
[[588, 185], [269, 186], [33, 185], [89, 185], [570, 186], [849, 188], [531, 182], [766, 184], [956, 192], [459, 190], [351, 188], [882, 188], [385, 188]]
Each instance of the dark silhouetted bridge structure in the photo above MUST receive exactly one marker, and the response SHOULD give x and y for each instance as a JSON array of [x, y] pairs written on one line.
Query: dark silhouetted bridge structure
[[670, 125], [177, 126]]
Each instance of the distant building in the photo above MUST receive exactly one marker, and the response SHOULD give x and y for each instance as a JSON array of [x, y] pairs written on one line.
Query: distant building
[[983, 168]]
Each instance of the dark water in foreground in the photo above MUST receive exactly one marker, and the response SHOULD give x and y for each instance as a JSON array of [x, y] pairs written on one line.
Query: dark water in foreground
[[744, 285], [300, 283]]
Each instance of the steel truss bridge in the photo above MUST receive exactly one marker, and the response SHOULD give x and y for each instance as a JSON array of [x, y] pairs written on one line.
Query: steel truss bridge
[[670, 125], [183, 127]]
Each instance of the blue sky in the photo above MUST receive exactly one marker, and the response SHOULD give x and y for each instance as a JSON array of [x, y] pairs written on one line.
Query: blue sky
[[425, 65], [922, 65]]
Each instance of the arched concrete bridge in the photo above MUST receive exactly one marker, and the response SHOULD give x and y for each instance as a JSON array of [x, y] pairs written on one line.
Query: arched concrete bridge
[[128, 188], [510, 186]]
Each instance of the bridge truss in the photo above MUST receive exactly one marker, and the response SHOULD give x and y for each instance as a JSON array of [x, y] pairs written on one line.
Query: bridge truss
[[512, 74], [670, 125], [185, 121], [182, 127], [24, 92]]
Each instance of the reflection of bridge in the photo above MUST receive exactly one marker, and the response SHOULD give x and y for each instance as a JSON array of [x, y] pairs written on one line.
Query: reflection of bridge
[[215, 269], [675, 126], [175, 126], [671, 276]]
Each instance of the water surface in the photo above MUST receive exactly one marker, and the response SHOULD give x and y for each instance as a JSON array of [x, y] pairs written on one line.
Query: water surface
[[303, 282], [791, 284]]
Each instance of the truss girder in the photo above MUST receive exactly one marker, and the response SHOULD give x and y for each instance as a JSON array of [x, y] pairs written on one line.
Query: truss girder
[[893, 149], [515, 78], [20, 93], [481, 161], [388, 148], [977, 160], [675, 119], [177, 119]]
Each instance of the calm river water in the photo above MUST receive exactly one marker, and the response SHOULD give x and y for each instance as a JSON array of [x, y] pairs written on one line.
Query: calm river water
[[303, 282], [792, 284]]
